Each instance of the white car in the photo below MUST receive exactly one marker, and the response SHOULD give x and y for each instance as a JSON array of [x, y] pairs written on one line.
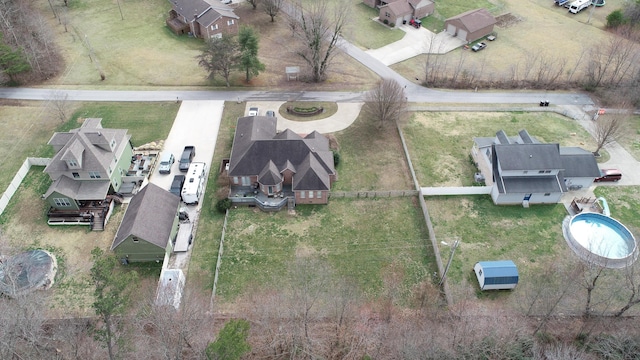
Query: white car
[[253, 111]]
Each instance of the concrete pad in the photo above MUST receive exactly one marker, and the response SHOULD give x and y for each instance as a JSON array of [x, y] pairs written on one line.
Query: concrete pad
[[416, 42], [196, 123], [345, 116]]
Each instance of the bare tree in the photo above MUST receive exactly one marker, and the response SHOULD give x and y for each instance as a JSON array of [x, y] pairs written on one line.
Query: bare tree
[[272, 8], [386, 103], [608, 129], [319, 30], [632, 285], [254, 3], [60, 103]]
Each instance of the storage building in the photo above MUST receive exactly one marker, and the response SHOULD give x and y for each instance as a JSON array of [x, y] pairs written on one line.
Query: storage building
[[496, 275]]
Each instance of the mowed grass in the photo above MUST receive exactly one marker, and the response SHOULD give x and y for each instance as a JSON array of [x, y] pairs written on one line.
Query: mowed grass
[[631, 139], [385, 234], [440, 143], [363, 31], [139, 50], [624, 204], [530, 237]]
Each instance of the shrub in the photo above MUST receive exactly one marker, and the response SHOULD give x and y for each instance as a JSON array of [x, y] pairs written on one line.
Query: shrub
[[615, 19], [223, 205], [336, 158], [385, 21], [392, 25]]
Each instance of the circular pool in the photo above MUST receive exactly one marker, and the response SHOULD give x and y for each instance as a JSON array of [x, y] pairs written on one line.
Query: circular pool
[[600, 239]]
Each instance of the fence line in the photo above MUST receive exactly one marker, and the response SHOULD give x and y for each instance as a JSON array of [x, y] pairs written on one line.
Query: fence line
[[373, 194], [219, 261], [17, 179], [462, 190]]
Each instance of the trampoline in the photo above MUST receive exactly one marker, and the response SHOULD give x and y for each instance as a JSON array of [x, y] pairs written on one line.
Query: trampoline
[[26, 272]]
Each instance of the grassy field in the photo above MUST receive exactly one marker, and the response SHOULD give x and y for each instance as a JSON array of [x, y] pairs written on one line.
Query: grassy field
[[386, 234], [440, 143]]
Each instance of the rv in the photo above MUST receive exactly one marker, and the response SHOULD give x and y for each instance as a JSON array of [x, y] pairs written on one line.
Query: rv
[[579, 5], [194, 183]]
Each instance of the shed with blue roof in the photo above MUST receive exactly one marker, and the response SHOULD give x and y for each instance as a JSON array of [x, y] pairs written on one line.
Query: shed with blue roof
[[496, 275]]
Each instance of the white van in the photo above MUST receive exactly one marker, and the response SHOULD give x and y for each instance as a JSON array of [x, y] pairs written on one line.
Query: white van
[[194, 183], [579, 5], [166, 160]]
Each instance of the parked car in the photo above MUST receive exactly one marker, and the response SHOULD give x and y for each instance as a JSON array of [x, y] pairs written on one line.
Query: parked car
[[271, 113], [253, 111], [176, 185], [166, 160], [479, 46], [609, 175], [188, 154]]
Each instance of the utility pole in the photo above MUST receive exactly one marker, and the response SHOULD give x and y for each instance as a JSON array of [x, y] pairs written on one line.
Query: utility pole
[[446, 269]]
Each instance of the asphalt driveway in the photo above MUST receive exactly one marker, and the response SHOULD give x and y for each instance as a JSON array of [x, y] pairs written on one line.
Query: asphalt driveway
[[416, 42]]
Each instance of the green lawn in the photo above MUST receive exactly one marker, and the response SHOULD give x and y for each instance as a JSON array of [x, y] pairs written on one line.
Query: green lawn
[[385, 234], [440, 143], [369, 34], [530, 237]]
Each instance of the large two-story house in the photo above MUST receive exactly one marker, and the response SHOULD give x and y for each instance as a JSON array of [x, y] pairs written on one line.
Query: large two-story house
[[397, 11], [202, 18], [88, 165], [279, 168], [522, 170]]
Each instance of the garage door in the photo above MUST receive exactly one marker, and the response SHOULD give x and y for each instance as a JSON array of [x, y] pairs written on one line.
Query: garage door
[[451, 29], [462, 34]]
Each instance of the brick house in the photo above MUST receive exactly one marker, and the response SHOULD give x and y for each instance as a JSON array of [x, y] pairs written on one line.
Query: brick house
[[397, 11], [203, 19], [471, 25]]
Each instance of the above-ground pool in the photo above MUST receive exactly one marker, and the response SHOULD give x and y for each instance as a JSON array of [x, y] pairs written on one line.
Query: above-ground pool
[[600, 239]]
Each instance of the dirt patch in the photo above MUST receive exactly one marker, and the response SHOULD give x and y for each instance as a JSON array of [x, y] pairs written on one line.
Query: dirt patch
[[507, 20]]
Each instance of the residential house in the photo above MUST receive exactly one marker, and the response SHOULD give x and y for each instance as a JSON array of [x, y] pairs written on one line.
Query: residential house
[[148, 227], [398, 11], [471, 25], [89, 163], [269, 166], [202, 18], [521, 170]]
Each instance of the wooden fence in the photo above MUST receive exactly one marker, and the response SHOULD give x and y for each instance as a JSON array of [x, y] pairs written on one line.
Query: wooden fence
[[373, 194]]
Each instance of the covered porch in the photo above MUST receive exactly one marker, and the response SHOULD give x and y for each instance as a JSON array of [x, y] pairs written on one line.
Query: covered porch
[[250, 196]]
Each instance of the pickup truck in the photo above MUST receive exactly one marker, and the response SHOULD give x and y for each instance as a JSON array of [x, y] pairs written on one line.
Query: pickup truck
[[479, 46], [188, 154]]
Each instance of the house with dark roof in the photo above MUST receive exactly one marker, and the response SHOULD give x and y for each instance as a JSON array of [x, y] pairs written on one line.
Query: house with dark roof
[[271, 169], [89, 163], [522, 170], [471, 25], [148, 227], [202, 18], [397, 11]]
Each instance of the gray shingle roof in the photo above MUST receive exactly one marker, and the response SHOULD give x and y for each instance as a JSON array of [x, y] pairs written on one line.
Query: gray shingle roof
[[207, 12], [532, 184], [528, 156], [149, 216], [79, 190], [578, 162], [270, 175], [256, 143]]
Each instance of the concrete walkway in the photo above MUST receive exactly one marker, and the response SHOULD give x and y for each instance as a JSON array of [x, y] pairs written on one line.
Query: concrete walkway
[[345, 116], [416, 42]]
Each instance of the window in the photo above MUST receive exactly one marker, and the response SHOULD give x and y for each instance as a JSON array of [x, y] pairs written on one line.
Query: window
[[547, 171], [75, 175], [547, 194], [310, 194], [214, 27], [61, 202], [541, 172], [135, 239], [230, 22], [72, 163], [302, 194], [94, 174], [235, 179], [110, 171], [318, 194], [525, 172], [387, 14], [113, 144]]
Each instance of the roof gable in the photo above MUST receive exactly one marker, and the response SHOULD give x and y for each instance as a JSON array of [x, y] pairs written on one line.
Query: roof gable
[[528, 156], [149, 216], [474, 20], [311, 175]]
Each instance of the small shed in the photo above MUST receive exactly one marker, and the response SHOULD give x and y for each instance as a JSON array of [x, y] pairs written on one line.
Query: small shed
[[496, 275]]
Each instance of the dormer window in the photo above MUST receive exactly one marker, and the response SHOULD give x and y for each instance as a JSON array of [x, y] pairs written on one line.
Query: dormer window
[[72, 163], [94, 174], [113, 144]]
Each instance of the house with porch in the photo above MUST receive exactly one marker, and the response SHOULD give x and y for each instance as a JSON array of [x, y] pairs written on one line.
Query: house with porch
[[270, 169], [149, 226], [203, 19], [522, 170], [397, 11], [471, 25], [88, 166]]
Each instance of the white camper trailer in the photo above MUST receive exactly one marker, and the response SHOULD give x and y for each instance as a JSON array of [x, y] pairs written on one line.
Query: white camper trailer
[[579, 5], [194, 183]]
